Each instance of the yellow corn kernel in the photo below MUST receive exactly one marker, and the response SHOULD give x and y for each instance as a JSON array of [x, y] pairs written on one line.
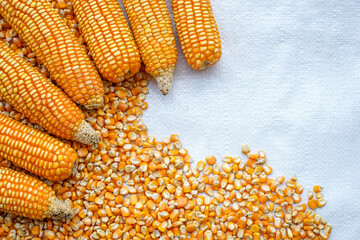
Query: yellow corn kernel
[[312, 203], [191, 227], [299, 218], [200, 166], [321, 202], [210, 159], [317, 189], [324, 235]]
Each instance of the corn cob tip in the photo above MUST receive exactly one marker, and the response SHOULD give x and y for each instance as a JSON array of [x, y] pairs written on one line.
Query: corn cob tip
[[164, 80], [95, 103], [86, 134], [206, 64], [58, 209]]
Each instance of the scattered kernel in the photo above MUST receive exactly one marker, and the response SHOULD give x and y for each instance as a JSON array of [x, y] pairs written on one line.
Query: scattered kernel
[[210, 159], [245, 148], [317, 189], [321, 202], [312, 203]]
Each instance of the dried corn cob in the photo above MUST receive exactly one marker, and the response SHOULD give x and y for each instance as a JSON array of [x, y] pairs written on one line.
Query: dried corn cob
[[29, 197], [151, 24], [57, 47], [109, 38], [198, 33], [35, 151], [38, 99]]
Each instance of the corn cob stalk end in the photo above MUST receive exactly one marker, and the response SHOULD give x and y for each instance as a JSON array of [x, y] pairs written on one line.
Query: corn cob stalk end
[[58, 209], [164, 80], [86, 134]]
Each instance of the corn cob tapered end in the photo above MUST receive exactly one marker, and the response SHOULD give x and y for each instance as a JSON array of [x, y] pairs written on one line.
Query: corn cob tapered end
[[86, 134], [58, 209], [164, 80], [206, 64], [95, 103]]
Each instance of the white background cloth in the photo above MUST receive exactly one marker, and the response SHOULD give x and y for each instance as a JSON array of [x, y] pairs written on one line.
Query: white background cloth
[[288, 83]]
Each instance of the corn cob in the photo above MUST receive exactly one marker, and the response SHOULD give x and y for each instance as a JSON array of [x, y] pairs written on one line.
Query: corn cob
[[198, 33], [57, 48], [151, 24], [109, 38], [38, 99], [29, 197], [35, 151]]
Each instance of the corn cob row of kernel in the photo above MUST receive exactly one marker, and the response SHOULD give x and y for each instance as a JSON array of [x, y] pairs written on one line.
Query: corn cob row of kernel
[[35, 151], [198, 33], [41, 27], [109, 38], [151, 25], [29, 197], [38, 99]]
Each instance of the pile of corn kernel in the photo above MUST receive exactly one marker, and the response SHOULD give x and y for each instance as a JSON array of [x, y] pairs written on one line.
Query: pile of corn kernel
[[132, 186]]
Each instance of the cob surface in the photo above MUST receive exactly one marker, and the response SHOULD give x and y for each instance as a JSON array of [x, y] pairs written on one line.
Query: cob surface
[[35, 151], [57, 48], [42, 102], [151, 24], [198, 33], [109, 38], [29, 197]]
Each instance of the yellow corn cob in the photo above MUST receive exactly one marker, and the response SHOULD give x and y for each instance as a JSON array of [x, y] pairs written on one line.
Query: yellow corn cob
[[29, 197], [35, 151], [38, 99], [109, 38], [151, 24], [198, 33], [57, 48]]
